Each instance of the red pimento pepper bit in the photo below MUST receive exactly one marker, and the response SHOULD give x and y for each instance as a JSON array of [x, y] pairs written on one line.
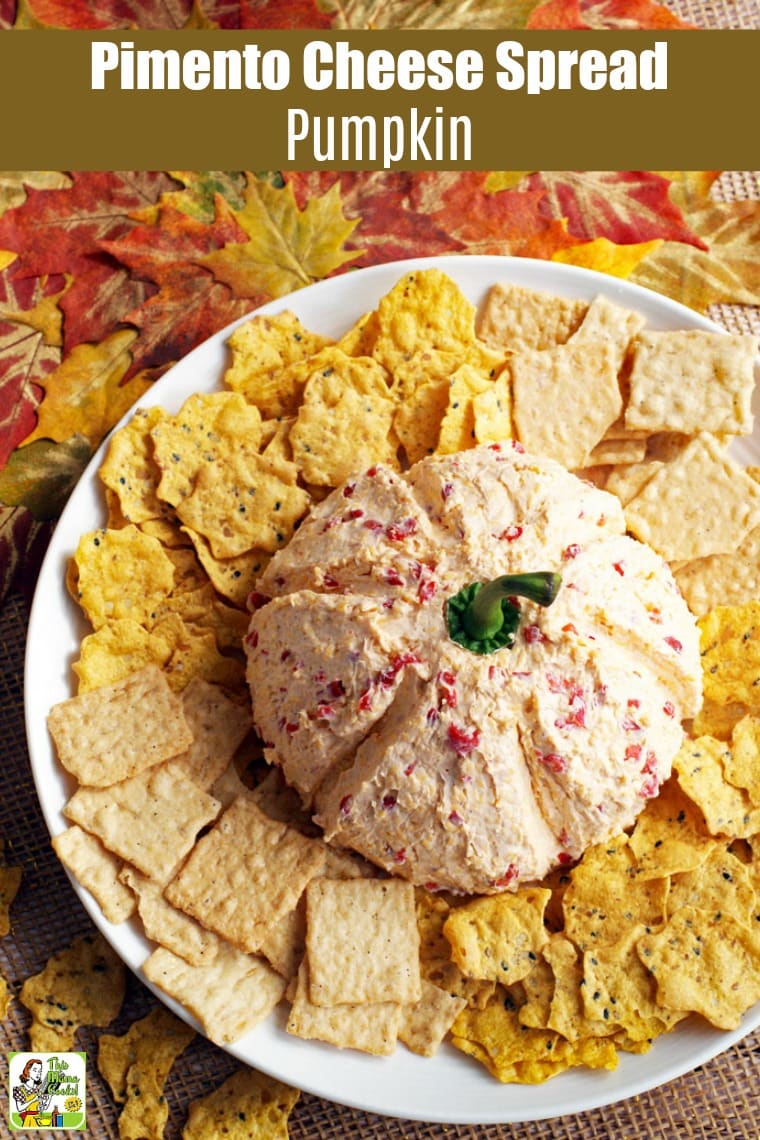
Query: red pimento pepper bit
[[619, 568], [348, 490], [534, 635], [553, 761], [345, 805], [251, 639], [669, 708], [397, 532], [570, 552], [564, 858], [389, 801], [324, 711], [447, 691], [633, 752], [455, 818], [462, 741], [512, 872], [674, 644], [447, 490], [256, 600], [511, 533], [393, 577], [427, 590], [330, 582]]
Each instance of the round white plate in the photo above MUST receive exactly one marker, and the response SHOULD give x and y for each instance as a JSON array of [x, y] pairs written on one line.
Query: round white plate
[[448, 1088]]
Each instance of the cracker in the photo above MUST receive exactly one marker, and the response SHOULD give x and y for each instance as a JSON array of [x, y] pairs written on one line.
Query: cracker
[[344, 422], [362, 941], [82, 984], [247, 1106], [134, 818], [628, 479], [97, 870], [499, 938], [207, 992], [604, 320], [218, 724], [424, 1024], [515, 318], [166, 925], [617, 452], [245, 874], [692, 381], [702, 503], [116, 731], [370, 1027], [722, 579], [564, 399], [705, 962]]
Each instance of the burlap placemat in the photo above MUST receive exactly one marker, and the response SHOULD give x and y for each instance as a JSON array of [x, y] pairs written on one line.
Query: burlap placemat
[[717, 13]]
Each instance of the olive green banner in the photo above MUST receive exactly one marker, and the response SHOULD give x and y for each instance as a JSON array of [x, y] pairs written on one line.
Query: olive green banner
[[407, 100]]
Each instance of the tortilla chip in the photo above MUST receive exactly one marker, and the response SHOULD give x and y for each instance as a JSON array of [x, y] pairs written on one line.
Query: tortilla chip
[[700, 766], [721, 884], [670, 835], [567, 1014], [622, 992], [116, 731], [424, 310], [344, 422], [10, 881], [742, 765], [457, 432], [80, 985], [122, 574], [115, 652], [247, 1106], [263, 349], [705, 962], [499, 937], [436, 965], [233, 578], [205, 990], [129, 470]]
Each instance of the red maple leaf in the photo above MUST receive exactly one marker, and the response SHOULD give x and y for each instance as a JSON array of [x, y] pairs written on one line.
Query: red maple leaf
[[625, 206], [188, 304], [284, 14], [7, 13], [59, 231], [584, 15]]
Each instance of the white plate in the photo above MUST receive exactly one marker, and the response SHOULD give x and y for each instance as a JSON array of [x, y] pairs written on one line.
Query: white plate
[[449, 1088]]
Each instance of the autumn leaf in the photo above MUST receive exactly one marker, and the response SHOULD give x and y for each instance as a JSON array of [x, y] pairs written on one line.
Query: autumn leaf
[[186, 304], [726, 270], [287, 248], [625, 206], [198, 196], [606, 257], [585, 15], [59, 231], [481, 14], [14, 183], [85, 395], [22, 546], [689, 188], [7, 12], [42, 475], [30, 337], [291, 14]]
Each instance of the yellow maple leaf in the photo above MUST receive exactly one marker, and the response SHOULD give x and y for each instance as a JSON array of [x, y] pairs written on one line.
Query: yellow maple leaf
[[728, 271], [689, 187], [44, 318], [198, 20], [505, 180], [606, 256], [84, 395], [287, 248], [7, 257]]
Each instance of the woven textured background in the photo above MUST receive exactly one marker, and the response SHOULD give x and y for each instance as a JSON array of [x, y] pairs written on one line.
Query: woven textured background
[[719, 1101]]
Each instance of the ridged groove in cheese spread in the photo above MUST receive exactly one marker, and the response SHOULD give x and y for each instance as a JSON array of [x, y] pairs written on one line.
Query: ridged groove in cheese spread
[[449, 768]]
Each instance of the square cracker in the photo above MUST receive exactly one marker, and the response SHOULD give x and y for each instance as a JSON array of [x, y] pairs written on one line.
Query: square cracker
[[168, 926], [700, 504], [370, 1027], [691, 381], [245, 874], [111, 733], [514, 318], [606, 321], [97, 870], [362, 941], [565, 398], [229, 996], [425, 1023], [150, 820], [219, 725]]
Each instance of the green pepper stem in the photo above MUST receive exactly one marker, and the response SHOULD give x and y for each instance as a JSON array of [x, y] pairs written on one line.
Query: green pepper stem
[[484, 616]]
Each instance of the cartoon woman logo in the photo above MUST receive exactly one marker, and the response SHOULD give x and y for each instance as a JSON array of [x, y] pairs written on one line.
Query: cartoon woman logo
[[31, 1096]]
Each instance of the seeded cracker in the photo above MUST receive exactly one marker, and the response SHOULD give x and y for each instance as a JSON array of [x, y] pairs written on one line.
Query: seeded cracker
[[247, 1106], [515, 318], [705, 962], [129, 470], [121, 574], [700, 766], [245, 874], [81, 985], [362, 941], [721, 884], [134, 818], [702, 503], [228, 997], [102, 738], [670, 835], [565, 398], [97, 870], [692, 381], [370, 1027]]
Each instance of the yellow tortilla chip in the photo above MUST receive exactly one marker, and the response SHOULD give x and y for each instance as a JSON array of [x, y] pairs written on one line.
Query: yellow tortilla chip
[[670, 835], [122, 575], [129, 470], [424, 310], [700, 766], [247, 1105], [262, 351], [457, 431], [499, 937]]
